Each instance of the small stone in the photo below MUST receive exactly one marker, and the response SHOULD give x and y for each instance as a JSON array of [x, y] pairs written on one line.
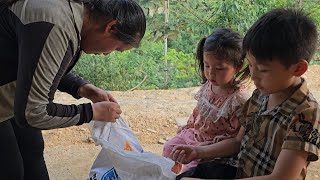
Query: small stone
[[182, 121], [89, 140], [151, 130], [161, 141], [83, 129], [166, 125], [137, 132]]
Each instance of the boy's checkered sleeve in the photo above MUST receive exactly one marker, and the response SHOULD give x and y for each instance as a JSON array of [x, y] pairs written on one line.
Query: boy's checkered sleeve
[[304, 133]]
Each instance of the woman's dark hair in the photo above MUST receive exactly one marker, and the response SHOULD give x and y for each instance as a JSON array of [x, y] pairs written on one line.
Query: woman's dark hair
[[131, 21], [8, 2], [224, 44]]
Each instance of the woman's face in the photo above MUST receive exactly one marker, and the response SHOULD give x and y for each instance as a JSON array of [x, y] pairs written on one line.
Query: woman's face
[[101, 40], [102, 43]]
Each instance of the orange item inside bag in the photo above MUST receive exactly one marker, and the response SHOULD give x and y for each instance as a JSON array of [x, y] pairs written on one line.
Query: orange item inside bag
[[127, 146], [177, 167]]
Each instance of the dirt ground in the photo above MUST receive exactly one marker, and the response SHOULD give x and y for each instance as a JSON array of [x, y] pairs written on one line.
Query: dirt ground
[[70, 152]]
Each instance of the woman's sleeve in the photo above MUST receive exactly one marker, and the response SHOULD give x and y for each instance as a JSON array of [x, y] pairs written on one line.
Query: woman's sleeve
[[45, 51], [71, 83]]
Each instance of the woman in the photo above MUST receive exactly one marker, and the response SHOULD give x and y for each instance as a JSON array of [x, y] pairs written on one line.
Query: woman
[[40, 42]]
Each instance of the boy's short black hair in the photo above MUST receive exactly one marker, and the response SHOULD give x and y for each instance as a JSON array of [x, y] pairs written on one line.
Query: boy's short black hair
[[287, 34]]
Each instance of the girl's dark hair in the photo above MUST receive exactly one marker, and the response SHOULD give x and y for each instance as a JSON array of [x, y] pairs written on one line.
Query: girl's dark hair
[[131, 21], [224, 44]]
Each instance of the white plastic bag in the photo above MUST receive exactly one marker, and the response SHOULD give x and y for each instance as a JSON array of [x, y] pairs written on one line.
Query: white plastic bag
[[114, 162]]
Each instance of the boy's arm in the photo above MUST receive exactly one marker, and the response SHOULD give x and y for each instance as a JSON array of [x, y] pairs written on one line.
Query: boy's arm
[[223, 148], [288, 166]]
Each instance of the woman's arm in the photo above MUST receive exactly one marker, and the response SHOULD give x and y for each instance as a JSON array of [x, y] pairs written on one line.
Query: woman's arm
[[45, 51]]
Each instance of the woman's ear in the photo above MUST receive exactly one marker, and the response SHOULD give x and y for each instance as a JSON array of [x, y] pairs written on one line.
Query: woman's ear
[[109, 27], [300, 68]]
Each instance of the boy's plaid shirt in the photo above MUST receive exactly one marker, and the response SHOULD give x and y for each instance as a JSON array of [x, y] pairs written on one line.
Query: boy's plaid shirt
[[292, 125]]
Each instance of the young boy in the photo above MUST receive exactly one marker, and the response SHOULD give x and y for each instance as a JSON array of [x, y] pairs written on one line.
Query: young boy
[[280, 122]]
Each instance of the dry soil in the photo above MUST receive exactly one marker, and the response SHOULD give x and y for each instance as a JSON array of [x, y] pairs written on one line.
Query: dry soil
[[70, 152]]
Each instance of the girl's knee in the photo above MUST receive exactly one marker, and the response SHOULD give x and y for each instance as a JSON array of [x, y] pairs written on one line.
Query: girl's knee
[[168, 146]]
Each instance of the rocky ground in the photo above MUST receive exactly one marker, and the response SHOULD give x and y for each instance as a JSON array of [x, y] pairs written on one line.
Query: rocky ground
[[70, 152]]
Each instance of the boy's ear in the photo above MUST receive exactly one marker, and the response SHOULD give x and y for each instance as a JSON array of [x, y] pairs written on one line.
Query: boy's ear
[[300, 68], [109, 27]]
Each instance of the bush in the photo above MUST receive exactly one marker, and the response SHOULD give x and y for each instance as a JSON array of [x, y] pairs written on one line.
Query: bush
[[125, 70], [183, 69]]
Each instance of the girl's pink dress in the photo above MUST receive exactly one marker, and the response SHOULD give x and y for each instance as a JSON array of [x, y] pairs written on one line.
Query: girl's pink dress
[[215, 116]]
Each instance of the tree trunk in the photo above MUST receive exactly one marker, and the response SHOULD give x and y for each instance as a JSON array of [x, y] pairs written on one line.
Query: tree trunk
[[166, 21]]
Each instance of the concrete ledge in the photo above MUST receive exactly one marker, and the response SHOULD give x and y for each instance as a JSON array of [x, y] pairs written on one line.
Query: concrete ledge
[[182, 121]]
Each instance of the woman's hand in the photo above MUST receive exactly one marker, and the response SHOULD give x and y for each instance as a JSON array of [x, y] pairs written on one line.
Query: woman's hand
[[95, 94], [184, 153], [106, 111], [104, 107]]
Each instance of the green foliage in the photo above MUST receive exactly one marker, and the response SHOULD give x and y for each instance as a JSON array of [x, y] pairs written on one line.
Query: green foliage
[[313, 8], [189, 21], [123, 71], [199, 18], [316, 58], [183, 69]]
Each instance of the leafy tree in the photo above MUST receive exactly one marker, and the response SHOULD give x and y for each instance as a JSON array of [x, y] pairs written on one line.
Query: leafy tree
[[189, 21]]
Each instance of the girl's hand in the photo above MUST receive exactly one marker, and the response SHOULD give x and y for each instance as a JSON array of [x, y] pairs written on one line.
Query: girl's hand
[[95, 94], [221, 138], [106, 111], [215, 140], [184, 154], [206, 143]]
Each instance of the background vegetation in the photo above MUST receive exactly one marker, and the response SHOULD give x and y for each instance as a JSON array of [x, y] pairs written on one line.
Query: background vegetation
[[189, 20]]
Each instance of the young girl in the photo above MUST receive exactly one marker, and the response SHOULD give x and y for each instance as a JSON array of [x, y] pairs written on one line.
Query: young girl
[[220, 59]]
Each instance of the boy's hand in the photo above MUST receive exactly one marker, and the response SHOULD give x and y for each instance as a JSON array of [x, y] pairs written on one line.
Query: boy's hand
[[184, 154], [95, 94], [106, 111]]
